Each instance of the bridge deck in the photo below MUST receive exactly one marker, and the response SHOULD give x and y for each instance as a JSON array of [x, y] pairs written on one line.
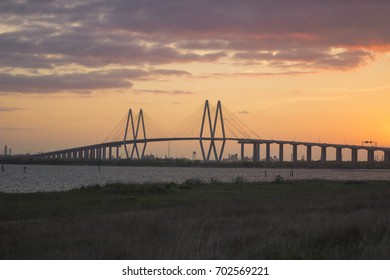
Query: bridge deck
[[239, 140]]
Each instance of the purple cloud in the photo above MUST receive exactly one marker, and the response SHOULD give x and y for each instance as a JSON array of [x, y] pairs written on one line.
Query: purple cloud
[[79, 82], [9, 109], [168, 92], [94, 34]]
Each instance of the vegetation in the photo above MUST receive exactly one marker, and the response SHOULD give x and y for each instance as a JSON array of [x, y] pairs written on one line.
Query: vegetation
[[184, 162], [200, 220]]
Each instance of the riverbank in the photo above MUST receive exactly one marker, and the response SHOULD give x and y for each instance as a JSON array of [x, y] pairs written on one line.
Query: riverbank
[[183, 162], [279, 220]]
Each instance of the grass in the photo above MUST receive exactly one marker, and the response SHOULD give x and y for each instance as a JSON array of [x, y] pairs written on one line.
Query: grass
[[197, 220]]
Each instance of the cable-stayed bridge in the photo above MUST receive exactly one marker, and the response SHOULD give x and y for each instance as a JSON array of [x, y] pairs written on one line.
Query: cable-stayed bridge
[[212, 127]]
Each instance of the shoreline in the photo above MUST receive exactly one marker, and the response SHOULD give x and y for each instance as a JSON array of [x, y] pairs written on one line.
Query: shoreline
[[197, 163]]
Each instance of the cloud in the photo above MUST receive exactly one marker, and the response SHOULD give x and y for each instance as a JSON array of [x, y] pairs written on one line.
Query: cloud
[[309, 58], [252, 74], [9, 109], [168, 92], [92, 35], [79, 82], [243, 112], [54, 83]]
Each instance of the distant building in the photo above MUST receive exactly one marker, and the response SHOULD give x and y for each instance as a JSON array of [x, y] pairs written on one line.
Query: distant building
[[5, 150], [233, 157], [149, 157]]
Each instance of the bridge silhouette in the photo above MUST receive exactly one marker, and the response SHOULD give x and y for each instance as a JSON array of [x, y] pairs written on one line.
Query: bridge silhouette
[[210, 126]]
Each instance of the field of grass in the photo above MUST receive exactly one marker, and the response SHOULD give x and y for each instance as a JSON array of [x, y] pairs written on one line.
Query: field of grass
[[239, 220]]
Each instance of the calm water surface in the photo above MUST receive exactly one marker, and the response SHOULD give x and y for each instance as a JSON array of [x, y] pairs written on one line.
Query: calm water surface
[[58, 178]]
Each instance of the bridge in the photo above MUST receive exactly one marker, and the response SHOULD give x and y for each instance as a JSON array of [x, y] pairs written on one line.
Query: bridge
[[209, 126]]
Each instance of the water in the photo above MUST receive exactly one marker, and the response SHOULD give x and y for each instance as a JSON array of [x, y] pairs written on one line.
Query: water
[[60, 177]]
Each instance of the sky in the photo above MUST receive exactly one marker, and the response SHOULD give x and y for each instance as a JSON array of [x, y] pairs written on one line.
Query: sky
[[315, 71]]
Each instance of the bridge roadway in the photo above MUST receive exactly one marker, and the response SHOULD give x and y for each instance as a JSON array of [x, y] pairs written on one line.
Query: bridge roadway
[[104, 151]]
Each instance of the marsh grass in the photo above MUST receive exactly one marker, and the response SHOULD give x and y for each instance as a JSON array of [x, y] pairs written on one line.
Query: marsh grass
[[293, 220]]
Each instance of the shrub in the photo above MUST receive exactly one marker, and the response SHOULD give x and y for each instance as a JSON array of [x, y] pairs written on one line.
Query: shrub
[[278, 179], [170, 185], [239, 179], [214, 180], [193, 181]]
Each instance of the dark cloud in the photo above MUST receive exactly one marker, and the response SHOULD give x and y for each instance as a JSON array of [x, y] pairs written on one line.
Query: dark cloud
[[9, 109], [48, 34], [78, 82], [65, 82], [168, 92]]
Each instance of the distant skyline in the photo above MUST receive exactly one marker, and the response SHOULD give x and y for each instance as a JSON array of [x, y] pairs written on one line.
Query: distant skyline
[[305, 70]]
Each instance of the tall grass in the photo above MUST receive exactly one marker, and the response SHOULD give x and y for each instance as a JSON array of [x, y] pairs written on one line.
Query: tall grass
[[348, 222]]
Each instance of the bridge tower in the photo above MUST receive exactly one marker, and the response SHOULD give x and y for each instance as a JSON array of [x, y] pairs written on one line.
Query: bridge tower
[[135, 133], [212, 125]]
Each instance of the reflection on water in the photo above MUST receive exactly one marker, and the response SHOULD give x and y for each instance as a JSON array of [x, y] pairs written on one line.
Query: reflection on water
[[57, 178]]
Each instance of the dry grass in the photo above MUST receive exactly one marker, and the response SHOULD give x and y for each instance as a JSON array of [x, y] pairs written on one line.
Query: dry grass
[[307, 220]]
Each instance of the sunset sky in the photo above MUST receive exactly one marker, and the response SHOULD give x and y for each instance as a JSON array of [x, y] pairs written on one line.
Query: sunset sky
[[301, 70]]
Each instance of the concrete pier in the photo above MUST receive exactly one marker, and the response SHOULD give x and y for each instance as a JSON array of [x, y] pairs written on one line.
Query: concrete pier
[[339, 154], [308, 153], [323, 153], [256, 152], [294, 152], [281, 152], [354, 157], [387, 157], [370, 156], [268, 152]]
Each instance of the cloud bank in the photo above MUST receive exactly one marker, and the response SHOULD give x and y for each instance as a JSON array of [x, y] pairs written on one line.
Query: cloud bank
[[98, 36]]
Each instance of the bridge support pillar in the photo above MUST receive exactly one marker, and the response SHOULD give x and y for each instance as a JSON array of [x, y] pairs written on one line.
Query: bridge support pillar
[[323, 153], [256, 152], [308, 153], [104, 153], [370, 156], [110, 152], [295, 153], [268, 152], [117, 152], [281, 152], [354, 156], [242, 151], [387, 157], [339, 154]]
